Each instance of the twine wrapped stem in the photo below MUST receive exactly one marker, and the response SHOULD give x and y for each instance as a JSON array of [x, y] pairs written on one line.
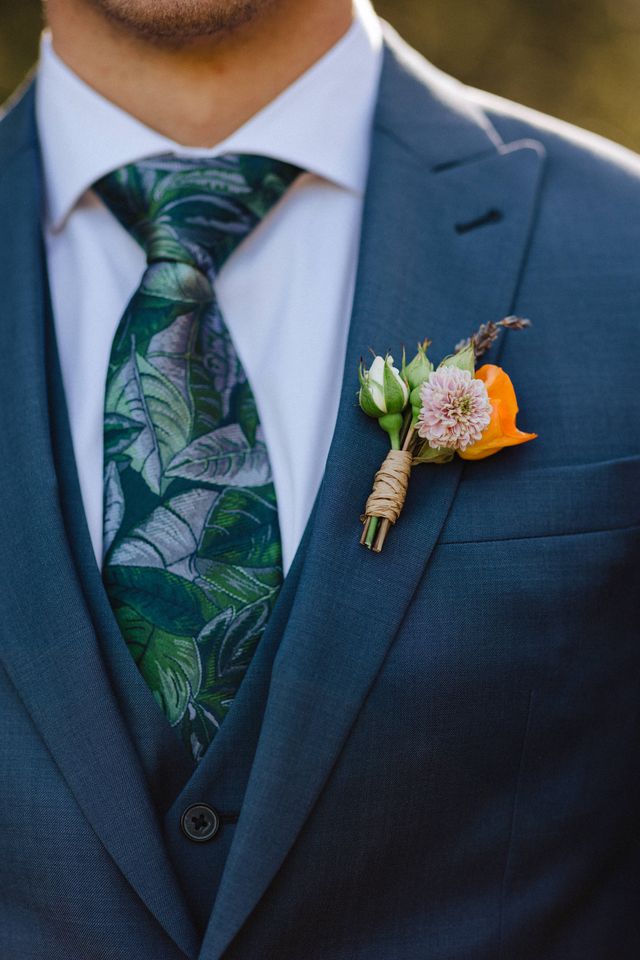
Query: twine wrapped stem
[[388, 495], [390, 486]]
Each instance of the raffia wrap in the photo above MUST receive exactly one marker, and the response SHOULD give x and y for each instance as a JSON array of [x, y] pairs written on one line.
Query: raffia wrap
[[390, 487]]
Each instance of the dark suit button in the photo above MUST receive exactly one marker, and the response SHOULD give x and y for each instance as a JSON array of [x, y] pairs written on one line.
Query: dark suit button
[[200, 822]]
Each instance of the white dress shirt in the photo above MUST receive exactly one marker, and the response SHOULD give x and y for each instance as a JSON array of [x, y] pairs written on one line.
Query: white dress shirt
[[289, 323]]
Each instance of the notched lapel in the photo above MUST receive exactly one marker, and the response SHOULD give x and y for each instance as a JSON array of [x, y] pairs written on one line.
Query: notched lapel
[[49, 646], [419, 275]]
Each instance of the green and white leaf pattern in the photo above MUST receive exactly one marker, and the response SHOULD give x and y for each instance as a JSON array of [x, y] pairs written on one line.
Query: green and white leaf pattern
[[244, 411], [163, 598], [235, 586], [172, 349], [192, 548], [242, 528], [119, 433], [229, 640], [226, 645], [170, 664], [222, 457], [113, 504], [220, 360], [169, 538], [140, 392]]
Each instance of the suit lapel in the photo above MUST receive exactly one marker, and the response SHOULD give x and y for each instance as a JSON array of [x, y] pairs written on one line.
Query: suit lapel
[[432, 263], [49, 646]]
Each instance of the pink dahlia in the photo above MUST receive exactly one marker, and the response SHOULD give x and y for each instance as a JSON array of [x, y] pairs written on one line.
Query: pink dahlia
[[455, 409]]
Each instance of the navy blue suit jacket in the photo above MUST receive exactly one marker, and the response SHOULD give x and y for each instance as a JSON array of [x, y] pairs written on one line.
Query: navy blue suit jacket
[[435, 753]]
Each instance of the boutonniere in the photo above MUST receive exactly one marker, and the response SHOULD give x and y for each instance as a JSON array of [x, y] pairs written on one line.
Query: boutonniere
[[431, 414]]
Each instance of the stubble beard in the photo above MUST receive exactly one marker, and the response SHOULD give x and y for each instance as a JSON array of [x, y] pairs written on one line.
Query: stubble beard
[[178, 23]]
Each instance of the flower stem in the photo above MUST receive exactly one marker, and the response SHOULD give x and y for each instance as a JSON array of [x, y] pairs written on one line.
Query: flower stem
[[371, 531], [408, 437], [392, 424]]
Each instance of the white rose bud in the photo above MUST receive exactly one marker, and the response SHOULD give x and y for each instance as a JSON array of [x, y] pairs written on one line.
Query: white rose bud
[[384, 395], [382, 389]]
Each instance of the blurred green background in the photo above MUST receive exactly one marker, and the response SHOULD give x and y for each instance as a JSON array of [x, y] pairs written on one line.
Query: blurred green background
[[575, 59]]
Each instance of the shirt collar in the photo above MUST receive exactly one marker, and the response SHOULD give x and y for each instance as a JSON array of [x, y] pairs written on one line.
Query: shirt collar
[[321, 123]]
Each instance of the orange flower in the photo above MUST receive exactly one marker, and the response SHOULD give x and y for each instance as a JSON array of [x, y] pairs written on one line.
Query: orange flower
[[502, 430]]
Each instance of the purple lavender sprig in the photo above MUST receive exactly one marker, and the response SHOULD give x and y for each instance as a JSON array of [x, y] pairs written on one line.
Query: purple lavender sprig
[[487, 334]]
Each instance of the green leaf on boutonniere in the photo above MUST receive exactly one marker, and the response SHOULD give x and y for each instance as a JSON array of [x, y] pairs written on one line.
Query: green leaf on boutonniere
[[426, 454], [465, 359]]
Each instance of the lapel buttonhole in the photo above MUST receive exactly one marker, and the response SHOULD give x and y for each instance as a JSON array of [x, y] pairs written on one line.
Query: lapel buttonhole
[[491, 216]]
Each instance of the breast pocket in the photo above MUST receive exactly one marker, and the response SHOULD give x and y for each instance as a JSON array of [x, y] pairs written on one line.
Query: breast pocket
[[544, 565], [545, 502]]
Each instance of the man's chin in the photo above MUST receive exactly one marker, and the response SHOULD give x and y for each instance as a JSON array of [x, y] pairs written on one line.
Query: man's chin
[[177, 23]]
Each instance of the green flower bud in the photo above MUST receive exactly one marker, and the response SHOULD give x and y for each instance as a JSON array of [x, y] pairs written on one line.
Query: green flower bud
[[420, 368]]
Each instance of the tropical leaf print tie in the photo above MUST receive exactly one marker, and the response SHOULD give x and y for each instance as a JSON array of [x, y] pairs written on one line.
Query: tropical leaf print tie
[[192, 558]]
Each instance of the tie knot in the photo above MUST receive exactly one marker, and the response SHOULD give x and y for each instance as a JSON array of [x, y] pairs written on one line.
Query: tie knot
[[194, 211]]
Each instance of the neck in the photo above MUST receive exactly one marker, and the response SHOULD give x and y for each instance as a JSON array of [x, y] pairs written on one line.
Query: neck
[[199, 93]]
